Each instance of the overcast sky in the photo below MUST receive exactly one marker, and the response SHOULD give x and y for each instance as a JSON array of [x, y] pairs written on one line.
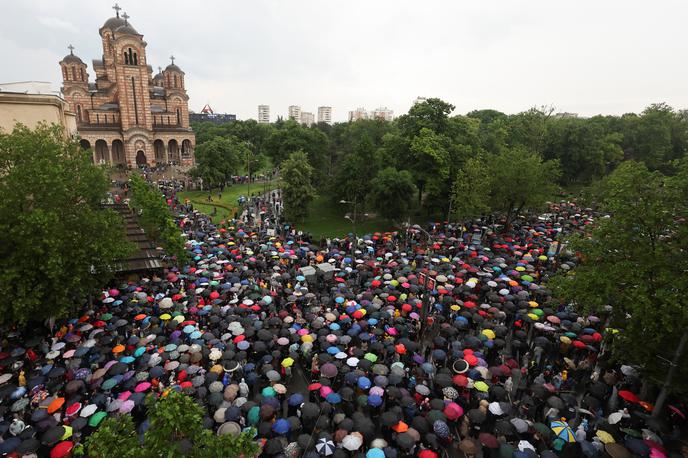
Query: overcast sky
[[584, 56]]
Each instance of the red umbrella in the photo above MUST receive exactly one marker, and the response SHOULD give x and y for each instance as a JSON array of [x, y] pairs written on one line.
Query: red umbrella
[[453, 411], [314, 386], [488, 440], [460, 380], [629, 396], [62, 449], [427, 453]]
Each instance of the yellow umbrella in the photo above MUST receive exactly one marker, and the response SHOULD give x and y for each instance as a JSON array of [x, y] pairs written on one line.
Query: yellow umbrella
[[542, 257], [481, 386], [489, 333], [165, 316], [306, 338], [287, 362], [533, 316], [179, 318], [604, 436], [455, 307], [68, 432], [520, 269], [533, 304], [565, 340]]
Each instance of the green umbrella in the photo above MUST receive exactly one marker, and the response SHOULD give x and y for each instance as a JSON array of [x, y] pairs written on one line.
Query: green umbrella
[[269, 391], [109, 384], [253, 415], [96, 418], [106, 316], [537, 312], [370, 357]]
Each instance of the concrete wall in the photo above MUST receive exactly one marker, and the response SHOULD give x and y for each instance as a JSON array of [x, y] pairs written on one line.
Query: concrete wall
[[31, 109]]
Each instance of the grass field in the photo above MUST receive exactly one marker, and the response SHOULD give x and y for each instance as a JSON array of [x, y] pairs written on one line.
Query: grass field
[[228, 204], [326, 219]]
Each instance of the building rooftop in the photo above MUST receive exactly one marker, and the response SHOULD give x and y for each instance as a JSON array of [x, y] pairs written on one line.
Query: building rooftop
[[29, 87]]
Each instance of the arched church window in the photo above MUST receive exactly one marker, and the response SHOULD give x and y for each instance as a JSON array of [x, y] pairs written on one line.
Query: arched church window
[[126, 58], [81, 72], [74, 73], [78, 113], [136, 59], [179, 116], [175, 80]]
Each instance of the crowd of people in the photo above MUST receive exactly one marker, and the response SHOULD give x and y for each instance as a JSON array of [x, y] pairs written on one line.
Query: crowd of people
[[438, 341]]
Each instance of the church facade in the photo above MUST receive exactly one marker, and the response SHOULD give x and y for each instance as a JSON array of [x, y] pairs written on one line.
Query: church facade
[[128, 116]]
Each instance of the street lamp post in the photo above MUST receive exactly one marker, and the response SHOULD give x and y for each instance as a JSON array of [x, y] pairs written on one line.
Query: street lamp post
[[353, 223]]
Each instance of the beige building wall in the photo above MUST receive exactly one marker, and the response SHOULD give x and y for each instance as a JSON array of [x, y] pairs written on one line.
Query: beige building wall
[[32, 109]]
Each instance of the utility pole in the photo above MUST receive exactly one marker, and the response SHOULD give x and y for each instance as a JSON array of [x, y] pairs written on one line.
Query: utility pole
[[659, 403]]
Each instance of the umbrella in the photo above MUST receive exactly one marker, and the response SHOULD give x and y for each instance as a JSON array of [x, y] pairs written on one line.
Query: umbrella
[[563, 431], [325, 447], [352, 441]]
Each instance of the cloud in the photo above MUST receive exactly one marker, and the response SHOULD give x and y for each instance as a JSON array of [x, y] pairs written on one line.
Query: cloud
[[57, 23]]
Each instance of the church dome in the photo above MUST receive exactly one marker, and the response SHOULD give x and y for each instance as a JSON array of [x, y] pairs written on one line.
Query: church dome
[[113, 23], [126, 29], [72, 59], [173, 68]]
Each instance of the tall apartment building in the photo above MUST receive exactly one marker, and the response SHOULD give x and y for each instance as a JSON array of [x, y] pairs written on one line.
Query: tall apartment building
[[325, 114], [264, 114], [295, 113], [307, 118], [358, 113], [383, 113], [420, 100]]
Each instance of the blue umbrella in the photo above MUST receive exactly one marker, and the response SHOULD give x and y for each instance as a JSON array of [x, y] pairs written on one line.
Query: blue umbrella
[[375, 400], [127, 359], [295, 399], [375, 453], [281, 426], [333, 350], [333, 398], [188, 329], [364, 383]]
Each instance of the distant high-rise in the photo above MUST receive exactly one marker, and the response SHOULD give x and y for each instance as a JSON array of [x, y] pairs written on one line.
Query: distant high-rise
[[307, 118], [383, 113], [264, 114], [358, 113], [295, 113], [420, 100], [325, 114]]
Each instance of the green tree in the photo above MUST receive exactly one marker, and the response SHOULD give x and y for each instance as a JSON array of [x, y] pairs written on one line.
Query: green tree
[[520, 179], [218, 159], [57, 242], [391, 193], [636, 261], [155, 218], [292, 137], [471, 190], [176, 430], [297, 186], [430, 161]]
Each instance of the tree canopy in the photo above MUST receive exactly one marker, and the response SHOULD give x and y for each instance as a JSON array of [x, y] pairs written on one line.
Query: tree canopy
[[391, 194], [175, 430], [297, 187], [57, 242], [155, 218], [635, 260], [218, 159]]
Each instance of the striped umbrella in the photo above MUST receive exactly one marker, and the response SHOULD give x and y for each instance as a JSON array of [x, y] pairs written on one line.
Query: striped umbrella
[[563, 431], [325, 447]]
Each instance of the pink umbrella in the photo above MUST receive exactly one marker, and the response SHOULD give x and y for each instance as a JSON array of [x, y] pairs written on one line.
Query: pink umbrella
[[141, 387], [68, 354], [123, 396], [325, 390], [453, 411], [303, 331], [376, 390], [331, 338], [126, 406]]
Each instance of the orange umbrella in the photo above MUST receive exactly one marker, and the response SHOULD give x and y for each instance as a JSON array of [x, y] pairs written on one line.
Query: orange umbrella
[[140, 316], [118, 349], [55, 405]]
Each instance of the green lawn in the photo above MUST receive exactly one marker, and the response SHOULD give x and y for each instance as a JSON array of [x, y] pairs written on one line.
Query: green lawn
[[326, 219], [228, 204]]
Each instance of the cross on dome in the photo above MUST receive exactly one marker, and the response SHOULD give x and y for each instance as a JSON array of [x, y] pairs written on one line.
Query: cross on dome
[[117, 8], [126, 17], [172, 59], [71, 49]]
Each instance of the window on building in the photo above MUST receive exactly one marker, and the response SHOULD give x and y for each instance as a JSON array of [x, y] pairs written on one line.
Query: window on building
[[126, 58], [74, 73], [78, 113], [179, 116], [175, 80], [81, 72]]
